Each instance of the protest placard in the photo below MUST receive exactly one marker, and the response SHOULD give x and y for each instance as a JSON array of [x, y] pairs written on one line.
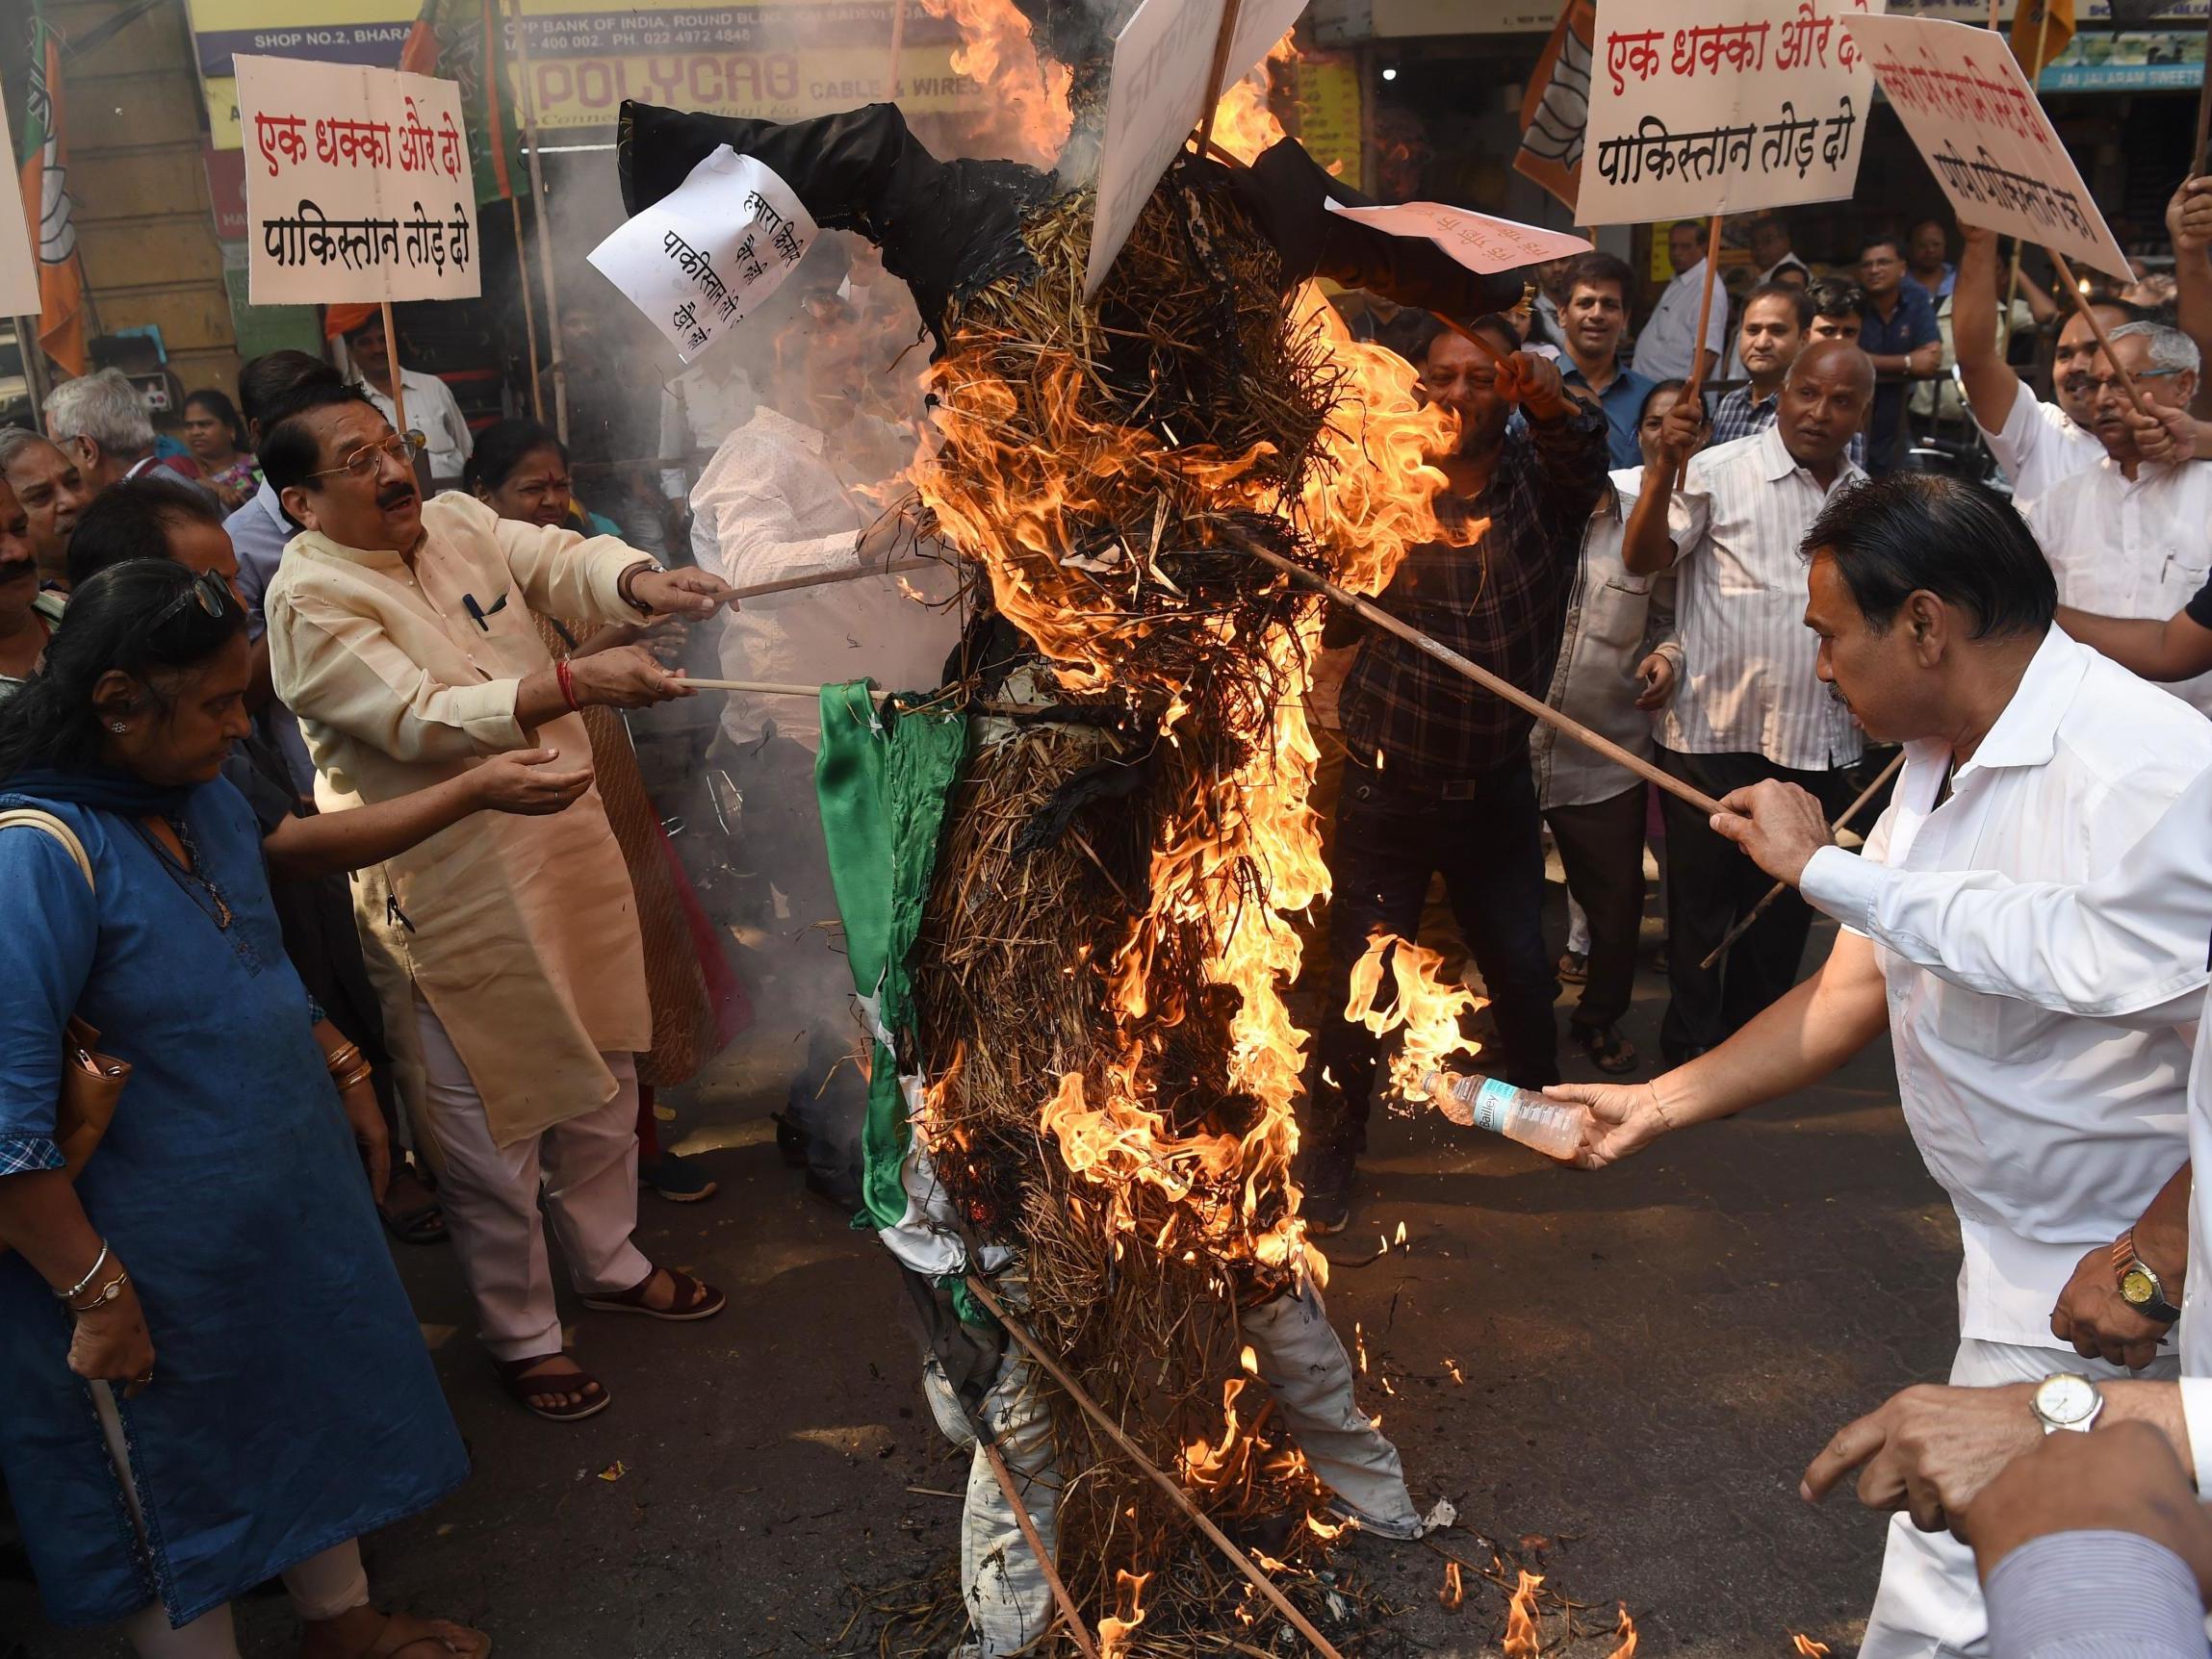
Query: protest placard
[[1962, 96], [357, 185], [1158, 91], [699, 260], [1476, 239], [18, 265], [1700, 107]]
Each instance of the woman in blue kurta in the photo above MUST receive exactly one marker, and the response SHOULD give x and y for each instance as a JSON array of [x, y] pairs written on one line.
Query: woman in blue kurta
[[218, 1262]]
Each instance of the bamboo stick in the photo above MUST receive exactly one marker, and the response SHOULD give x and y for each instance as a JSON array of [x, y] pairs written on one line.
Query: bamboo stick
[[1218, 72], [392, 369], [765, 687], [1091, 1408], [2096, 328], [1483, 677], [1005, 1477], [794, 584], [1779, 888], [1694, 392]]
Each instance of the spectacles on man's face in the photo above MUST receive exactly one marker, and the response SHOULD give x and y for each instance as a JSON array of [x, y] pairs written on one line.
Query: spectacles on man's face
[[2085, 385], [401, 446], [209, 591]]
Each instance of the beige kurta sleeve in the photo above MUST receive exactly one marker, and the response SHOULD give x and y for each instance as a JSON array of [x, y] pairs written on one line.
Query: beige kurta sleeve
[[565, 575]]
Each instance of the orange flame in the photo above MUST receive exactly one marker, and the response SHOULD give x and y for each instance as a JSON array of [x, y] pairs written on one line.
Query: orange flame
[[1243, 123], [1626, 1631], [1129, 1613], [1807, 1649], [1453, 1592], [1030, 119], [1426, 1007], [1521, 1640]]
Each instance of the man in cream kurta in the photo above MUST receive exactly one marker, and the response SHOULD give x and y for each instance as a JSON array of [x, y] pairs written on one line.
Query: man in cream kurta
[[400, 635]]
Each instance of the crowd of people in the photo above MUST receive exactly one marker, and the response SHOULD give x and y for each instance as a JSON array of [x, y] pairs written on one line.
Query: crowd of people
[[317, 803]]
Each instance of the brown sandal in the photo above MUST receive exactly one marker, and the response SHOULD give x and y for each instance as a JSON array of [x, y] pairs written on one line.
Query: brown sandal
[[513, 1373], [693, 1300], [446, 1638]]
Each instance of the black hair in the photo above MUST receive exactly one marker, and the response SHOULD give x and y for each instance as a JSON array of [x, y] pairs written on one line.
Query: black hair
[[223, 409], [1674, 384], [1915, 533], [289, 450], [1800, 301], [274, 378], [501, 448], [1500, 329], [131, 519], [138, 618], [1599, 268], [1882, 239], [1834, 297]]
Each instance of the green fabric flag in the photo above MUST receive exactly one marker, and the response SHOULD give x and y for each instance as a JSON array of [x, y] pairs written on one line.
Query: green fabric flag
[[882, 776]]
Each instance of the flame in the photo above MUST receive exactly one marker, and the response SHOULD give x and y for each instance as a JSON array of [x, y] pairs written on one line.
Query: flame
[[1626, 1631], [1243, 123], [1807, 1649], [1453, 1592], [1129, 1613], [1427, 1007], [1521, 1641], [1030, 118]]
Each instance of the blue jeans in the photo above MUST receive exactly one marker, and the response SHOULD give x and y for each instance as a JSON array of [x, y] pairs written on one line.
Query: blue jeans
[[1486, 837]]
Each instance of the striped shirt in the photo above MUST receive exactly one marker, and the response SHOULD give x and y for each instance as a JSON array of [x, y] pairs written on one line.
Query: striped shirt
[[1739, 416], [1736, 523], [2094, 1595]]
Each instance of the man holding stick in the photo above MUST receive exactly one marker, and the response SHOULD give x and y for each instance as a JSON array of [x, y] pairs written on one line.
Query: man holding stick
[[1751, 706], [2056, 1123], [1437, 775]]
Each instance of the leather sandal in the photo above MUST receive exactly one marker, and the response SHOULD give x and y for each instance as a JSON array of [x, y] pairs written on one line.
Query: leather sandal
[[575, 1380], [693, 1300], [446, 1640]]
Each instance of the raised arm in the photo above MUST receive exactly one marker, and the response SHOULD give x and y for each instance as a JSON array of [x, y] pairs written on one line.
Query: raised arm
[[524, 781], [1990, 383], [1657, 532], [2188, 224], [2180, 647]]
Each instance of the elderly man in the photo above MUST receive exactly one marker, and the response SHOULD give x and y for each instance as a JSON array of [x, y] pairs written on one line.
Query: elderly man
[[505, 949], [102, 421], [1771, 250], [2058, 1134], [1668, 347], [51, 490], [1751, 706], [1438, 779], [432, 409], [1777, 325], [2126, 537], [1597, 312]]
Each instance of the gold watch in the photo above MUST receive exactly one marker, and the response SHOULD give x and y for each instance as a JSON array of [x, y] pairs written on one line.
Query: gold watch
[[2141, 1288]]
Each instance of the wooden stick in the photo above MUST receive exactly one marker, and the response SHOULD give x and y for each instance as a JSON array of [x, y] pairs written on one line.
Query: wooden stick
[[899, 44], [765, 687], [1215, 74], [1114, 1432], [1005, 1476], [1779, 888], [392, 369], [1472, 338], [793, 584], [1482, 677], [2103, 340], [538, 208], [1694, 392], [2204, 107], [529, 307]]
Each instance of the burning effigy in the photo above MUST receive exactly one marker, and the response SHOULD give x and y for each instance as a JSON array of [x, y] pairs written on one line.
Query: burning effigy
[[1069, 876]]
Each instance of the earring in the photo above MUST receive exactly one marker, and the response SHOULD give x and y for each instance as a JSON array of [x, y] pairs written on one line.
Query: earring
[[118, 728]]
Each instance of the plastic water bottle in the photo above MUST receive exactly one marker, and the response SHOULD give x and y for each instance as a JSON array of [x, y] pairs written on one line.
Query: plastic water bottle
[[1550, 1127]]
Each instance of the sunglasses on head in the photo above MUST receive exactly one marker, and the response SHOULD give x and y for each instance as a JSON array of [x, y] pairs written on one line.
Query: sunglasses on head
[[209, 591]]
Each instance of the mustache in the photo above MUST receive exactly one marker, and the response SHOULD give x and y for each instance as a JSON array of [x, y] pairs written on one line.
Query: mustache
[[398, 496]]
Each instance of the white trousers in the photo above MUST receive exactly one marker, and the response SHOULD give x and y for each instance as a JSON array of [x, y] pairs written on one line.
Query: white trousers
[[321, 1587], [1929, 1604], [588, 1170]]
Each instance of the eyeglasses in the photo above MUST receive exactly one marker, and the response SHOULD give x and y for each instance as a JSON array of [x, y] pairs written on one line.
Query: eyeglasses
[[2086, 385], [210, 591], [401, 446]]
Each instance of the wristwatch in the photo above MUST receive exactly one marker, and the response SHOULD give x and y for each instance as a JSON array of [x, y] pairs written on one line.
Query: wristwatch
[[2139, 1288], [626, 583], [2067, 1400]]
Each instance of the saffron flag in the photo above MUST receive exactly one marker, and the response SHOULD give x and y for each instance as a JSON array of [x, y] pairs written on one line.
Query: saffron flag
[[47, 207], [461, 40], [2041, 30], [1556, 110]]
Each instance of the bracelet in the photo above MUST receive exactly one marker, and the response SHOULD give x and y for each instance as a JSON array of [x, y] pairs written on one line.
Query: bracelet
[[105, 1294], [341, 1057], [564, 678], [90, 1273], [353, 1077], [628, 578]]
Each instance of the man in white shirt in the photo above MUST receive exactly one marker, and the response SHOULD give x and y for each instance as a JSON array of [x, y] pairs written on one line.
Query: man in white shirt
[[1770, 246], [431, 407], [2056, 1125], [2126, 537], [1751, 706], [1667, 347], [698, 409]]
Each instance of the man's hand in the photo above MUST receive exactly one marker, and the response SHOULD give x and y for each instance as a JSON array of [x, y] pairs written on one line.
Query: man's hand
[[2189, 215], [1682, 434], [1533, 382], [905, 519], [1975, 234], [1929, 1450], [2095, 1318], [680, 593], [2164, 434], [1656, 674], [524, 781], [2120, 1478], [1623, 1120], [366, 1118], [1778, 823], [627, 676]]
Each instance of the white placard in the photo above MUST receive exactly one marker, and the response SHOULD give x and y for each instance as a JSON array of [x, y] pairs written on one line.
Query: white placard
[[1962, 96], [357, 185], [18, 263], [699, 258], [1700, 107], [1476, 239], [1161, 61]]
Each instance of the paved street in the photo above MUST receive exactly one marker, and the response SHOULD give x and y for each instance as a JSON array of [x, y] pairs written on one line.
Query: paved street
[[1650, 1356]]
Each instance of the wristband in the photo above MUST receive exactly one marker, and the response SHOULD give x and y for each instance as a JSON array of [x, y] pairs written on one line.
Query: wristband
[[562, 678], [90, 1273], [341, 1057]]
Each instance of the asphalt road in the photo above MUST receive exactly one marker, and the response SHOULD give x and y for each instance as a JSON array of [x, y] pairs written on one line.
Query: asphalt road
[[1649, 1357]]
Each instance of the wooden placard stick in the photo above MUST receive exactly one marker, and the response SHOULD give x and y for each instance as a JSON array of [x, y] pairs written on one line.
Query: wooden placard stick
[[1779, 888], [1695, 390], [1482, 677], [1091, 1409], [1076, 1630], [1216, 74], [392, 368], [2096, 328], [859, 573], [899, 45], [2203, 108]]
